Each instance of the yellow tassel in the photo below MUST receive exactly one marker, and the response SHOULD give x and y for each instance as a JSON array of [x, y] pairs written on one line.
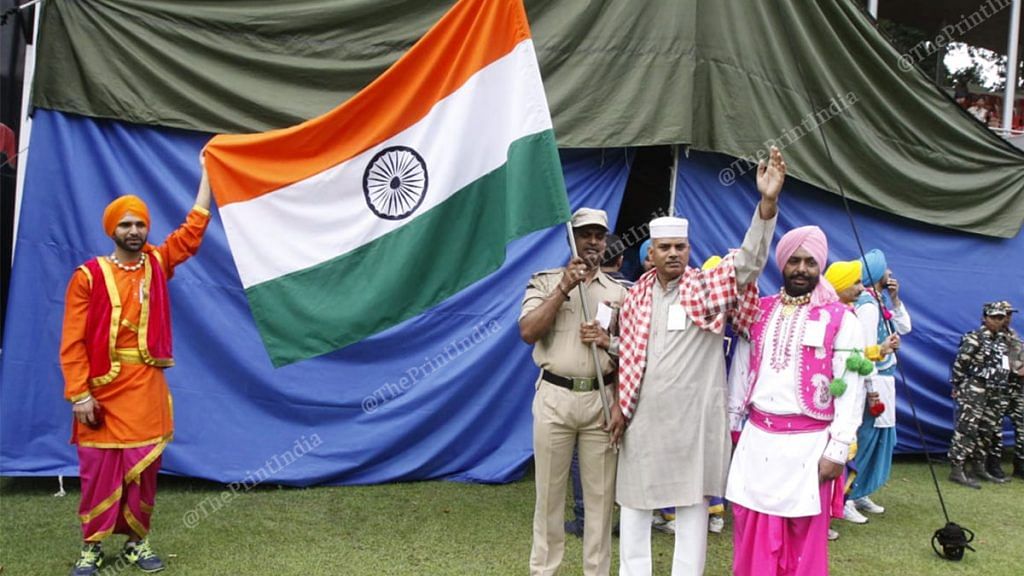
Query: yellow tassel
[[874, 353]]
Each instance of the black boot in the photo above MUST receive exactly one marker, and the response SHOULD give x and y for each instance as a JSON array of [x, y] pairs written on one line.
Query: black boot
[[1018, 468], [994, 467], [958, 476], [979, 471]]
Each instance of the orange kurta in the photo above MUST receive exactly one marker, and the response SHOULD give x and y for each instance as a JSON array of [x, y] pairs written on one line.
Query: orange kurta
[[136, 406]]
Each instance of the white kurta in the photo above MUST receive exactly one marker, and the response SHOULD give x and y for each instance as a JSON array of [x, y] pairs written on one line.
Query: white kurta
[[885, 386], [675, 451], [777, 474]]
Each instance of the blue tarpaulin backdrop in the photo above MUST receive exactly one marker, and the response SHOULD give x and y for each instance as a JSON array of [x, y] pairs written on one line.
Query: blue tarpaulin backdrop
[[945, 276], [466, 418]]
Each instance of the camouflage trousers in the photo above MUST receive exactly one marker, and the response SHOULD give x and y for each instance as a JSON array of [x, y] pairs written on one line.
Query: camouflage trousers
[[1001, 402], [996, 402], [1015, 410], [969, 432]]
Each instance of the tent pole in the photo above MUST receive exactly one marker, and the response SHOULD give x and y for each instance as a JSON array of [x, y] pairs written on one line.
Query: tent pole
[[25, 128], [672, 184], [873, 8], [1011, 69]]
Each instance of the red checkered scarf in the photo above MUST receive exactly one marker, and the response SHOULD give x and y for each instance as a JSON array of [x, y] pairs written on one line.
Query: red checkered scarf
[[707, 297]]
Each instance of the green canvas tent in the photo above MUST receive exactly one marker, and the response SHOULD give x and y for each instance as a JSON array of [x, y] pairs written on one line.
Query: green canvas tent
[[730, 76]]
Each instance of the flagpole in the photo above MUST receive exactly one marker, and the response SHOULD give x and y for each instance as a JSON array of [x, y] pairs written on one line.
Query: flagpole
[[593, 345]]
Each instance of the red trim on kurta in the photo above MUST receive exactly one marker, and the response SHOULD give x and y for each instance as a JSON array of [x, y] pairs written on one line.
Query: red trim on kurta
[[97, 323], [99, 343], [158, 329]]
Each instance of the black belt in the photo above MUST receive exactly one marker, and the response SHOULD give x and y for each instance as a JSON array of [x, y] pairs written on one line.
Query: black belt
[[576, 384]]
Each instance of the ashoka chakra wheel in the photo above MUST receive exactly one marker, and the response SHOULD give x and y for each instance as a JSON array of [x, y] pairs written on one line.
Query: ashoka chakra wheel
[[395, 182]]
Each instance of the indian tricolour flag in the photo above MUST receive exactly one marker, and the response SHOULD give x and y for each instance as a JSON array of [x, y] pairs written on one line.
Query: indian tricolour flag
[[407, 193]]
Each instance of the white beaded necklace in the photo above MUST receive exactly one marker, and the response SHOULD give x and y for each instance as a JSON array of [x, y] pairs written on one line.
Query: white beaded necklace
[[113, 259]]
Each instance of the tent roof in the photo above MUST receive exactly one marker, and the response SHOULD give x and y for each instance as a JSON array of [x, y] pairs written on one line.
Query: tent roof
[[730, 77]]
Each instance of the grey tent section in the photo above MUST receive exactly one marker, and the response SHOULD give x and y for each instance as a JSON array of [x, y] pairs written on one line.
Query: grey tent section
[[730, 76]]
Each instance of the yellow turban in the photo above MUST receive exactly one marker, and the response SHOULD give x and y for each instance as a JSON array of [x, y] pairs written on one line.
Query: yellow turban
[[711, 262], [842, 275], [116, 210]]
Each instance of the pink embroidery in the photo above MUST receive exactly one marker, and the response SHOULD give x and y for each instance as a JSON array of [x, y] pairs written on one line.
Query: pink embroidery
[[814, 370], [783, 330]]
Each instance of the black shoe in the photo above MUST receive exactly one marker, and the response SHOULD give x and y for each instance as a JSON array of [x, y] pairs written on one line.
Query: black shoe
[[980, 471], [958, 476], [141, 554], [994, 468], [574, 527], [89, 561]]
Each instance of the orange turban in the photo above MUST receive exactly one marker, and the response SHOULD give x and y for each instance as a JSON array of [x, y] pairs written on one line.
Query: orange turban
[[116, 210]]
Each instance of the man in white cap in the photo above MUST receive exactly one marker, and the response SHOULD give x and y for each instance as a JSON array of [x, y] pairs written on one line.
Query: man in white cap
[[675, 450], [567, 406]]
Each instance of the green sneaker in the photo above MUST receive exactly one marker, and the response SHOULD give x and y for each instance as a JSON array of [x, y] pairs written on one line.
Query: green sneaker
[[89, 561], [140, 554]]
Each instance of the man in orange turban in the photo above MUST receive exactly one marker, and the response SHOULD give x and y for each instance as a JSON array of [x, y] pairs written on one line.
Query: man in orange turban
[[115, 345], [122, 206]]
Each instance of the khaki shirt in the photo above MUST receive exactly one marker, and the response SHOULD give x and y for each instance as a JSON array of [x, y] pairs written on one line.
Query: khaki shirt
[[560, 350]]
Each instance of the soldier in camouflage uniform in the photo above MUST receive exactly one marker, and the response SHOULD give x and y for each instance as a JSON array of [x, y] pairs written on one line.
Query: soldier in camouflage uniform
[[981, 369], [1015, 400], [999, 402]]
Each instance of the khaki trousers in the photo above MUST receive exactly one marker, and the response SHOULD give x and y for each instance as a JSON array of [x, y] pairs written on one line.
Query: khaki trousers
[[561, 420]]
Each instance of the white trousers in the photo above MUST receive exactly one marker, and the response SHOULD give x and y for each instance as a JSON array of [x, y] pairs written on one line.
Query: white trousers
[[690, 546]]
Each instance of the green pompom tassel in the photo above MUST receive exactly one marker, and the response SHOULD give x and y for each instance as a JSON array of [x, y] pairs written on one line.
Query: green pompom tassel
[[866, 366], [853, 363], [837, 387]]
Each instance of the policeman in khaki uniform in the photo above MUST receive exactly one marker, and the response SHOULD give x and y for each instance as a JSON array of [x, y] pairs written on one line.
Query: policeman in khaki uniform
[[980, 372], [566, 408]]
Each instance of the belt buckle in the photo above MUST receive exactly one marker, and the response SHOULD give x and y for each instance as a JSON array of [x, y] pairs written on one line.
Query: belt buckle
[[582, 384]]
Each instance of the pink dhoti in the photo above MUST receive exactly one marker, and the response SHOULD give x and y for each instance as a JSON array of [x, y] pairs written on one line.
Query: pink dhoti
[[766, 545], [118, 490], [770, 545]]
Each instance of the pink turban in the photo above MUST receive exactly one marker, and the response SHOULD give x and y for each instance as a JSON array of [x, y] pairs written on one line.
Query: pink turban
[[812, 239]]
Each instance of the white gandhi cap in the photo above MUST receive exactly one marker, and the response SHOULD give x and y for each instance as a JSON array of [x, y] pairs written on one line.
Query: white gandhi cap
[[669, 227]]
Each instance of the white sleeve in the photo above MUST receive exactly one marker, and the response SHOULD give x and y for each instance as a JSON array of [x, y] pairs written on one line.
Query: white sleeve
[[753, 253], [901, 319], [849, 406], [738, 379], [867, 316]]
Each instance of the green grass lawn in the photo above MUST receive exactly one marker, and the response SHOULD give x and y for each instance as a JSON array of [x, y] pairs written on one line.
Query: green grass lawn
[[441, 528]]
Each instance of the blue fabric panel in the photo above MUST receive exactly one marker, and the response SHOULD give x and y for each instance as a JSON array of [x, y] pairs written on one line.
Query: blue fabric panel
[[945, 275], [446, 394]]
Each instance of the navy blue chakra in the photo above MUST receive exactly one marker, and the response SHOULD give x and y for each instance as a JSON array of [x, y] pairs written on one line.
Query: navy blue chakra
[[395, 182]]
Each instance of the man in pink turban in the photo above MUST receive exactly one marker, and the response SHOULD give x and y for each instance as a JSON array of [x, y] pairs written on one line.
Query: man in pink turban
[[806, 245], [797, 406]]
